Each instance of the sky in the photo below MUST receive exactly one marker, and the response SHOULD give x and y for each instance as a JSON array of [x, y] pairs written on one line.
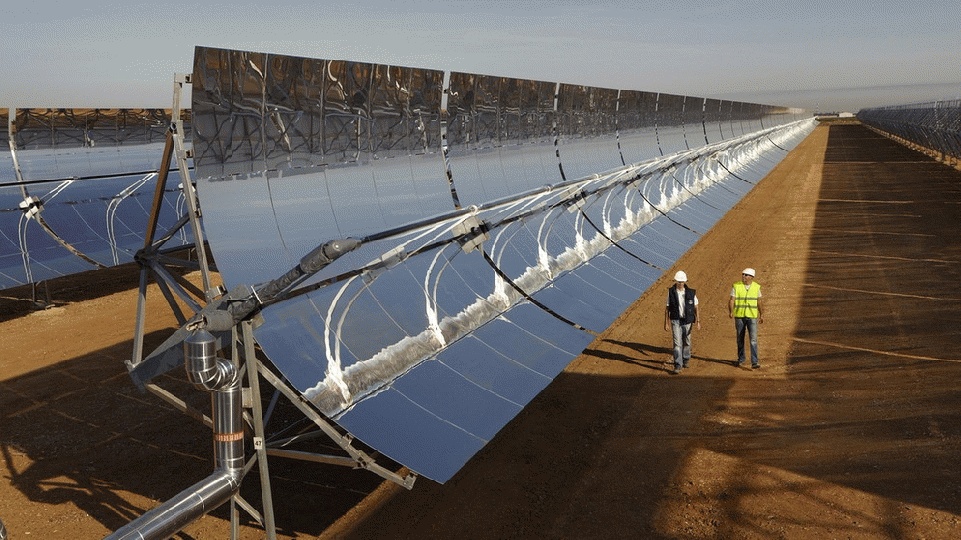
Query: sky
[[823, 56]]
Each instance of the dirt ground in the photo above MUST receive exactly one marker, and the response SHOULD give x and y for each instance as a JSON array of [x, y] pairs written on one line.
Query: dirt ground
[[851, 429]]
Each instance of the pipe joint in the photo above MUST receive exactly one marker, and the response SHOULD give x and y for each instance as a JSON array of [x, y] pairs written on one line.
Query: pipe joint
[[205, 370]]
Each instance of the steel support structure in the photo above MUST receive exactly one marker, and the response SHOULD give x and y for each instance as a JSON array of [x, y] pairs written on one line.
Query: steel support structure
[[155, 262]]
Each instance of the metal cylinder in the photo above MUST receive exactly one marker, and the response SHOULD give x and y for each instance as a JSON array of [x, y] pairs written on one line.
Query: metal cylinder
[[227, 411], [207, 371], [3, 532], [170, 517], [204, 369], [200, 357]]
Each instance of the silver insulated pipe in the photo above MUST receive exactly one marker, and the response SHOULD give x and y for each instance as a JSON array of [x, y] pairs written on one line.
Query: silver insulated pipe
[[205, 370], [3, 532]]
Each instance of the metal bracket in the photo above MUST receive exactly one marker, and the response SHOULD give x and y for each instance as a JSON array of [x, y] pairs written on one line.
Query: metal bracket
[[357, 458], [31, 206], [574, 198], [471, 233], [149, 256], [386, 261]]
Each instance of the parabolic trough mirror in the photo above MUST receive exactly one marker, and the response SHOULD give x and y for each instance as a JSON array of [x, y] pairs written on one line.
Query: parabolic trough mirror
[[485, 228], [424, 250], [76, 189]]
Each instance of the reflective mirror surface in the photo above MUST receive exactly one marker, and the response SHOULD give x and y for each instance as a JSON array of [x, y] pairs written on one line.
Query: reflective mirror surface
[[502, 224], [76, 190]]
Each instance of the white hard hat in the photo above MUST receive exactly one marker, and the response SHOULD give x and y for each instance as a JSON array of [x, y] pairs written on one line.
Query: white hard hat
[[680, 276], [748, 271]]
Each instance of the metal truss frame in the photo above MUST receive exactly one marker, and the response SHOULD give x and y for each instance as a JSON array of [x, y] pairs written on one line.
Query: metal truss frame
[[156, 262]]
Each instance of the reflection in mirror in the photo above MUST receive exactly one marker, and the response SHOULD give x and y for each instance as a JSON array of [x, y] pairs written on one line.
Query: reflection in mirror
[[501, 224], [77, 190]]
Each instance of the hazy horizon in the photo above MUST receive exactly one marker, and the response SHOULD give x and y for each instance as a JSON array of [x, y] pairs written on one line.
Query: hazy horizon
[[821, 56], [854, 99]]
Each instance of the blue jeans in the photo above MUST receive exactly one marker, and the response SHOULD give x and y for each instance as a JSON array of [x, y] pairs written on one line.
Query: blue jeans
[[682, 343], [742, 324]]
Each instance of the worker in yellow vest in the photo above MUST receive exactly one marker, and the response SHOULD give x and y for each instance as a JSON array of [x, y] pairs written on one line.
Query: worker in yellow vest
[[745, 309]]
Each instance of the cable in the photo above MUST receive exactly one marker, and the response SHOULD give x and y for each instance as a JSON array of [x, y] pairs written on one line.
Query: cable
[[530, 299], [615, 244]]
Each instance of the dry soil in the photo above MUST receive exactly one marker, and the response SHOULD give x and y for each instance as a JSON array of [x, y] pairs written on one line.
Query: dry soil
[[851, 429]]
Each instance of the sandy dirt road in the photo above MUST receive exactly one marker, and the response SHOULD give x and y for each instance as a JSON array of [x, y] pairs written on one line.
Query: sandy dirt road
[[851, 429]]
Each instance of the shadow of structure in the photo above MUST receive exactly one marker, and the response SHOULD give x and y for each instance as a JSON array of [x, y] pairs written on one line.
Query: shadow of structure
[[881, 307], [547, 473], [79, 434], [24, 299]]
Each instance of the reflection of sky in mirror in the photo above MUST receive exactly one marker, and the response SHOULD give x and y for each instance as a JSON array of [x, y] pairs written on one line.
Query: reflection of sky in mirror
[[402, 354], [259, 225], [426, 359], [826, 55], [95, 200]]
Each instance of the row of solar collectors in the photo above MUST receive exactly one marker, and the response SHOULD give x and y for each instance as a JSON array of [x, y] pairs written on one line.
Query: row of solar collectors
[[76, 189], [427, 360], [934, 125], [420, 348], [371, 140]]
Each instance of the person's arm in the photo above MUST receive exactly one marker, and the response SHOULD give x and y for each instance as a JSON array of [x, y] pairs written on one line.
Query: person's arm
[[730, 307], [760, 317], [667, 317], [697, 316]]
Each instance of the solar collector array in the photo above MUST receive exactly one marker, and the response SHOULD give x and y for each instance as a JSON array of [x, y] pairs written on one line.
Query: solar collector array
[[434, 348], [84, 190]]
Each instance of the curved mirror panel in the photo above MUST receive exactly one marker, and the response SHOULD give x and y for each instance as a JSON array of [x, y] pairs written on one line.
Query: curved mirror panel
[[77, 190], [477, 270], [670, 124]]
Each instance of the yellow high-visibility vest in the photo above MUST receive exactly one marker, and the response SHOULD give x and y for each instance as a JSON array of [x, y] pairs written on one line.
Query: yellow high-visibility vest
[[745, 300]]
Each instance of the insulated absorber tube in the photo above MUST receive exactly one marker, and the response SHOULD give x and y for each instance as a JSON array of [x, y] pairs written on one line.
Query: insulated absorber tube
[[206, 371], [218, 375]]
